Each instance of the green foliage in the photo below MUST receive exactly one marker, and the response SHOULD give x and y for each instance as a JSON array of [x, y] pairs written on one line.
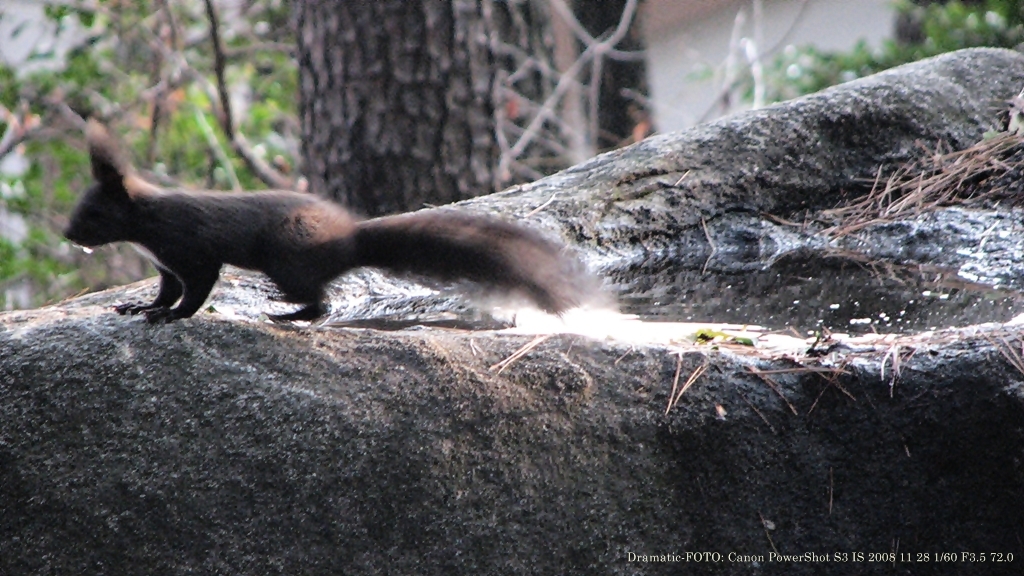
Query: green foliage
[[944, 27], [146, 73]]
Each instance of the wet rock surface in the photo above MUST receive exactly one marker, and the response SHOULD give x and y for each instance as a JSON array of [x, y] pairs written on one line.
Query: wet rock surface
[[951, 267], [221, 444]]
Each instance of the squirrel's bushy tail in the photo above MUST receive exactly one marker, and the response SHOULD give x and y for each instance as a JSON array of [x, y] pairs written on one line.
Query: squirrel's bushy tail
[[451, 245]]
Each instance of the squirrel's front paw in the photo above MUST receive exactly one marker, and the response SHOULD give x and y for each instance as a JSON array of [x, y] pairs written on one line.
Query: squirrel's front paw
[[160, 315]]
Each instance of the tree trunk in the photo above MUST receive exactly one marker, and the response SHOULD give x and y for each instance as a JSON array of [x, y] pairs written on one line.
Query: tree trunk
[[408, 103], [396, 101]]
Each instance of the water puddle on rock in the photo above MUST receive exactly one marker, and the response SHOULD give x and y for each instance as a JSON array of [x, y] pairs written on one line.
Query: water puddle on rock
[[811, 293]]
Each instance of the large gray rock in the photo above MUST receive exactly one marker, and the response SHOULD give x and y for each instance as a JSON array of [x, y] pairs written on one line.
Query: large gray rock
[[800, 155], [214, 445]]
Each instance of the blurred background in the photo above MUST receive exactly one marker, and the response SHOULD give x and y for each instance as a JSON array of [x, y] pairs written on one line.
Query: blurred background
[[394, 105]]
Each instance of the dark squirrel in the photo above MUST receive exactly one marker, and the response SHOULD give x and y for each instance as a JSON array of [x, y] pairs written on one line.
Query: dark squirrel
[[302, 242]]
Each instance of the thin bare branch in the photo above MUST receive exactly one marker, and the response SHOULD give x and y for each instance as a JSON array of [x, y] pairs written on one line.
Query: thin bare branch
[[219, 62], [595, 49], [263, 171], [20, 126], [566, 13], [218, 151], [580, 145], [596, 71], [728, 87]]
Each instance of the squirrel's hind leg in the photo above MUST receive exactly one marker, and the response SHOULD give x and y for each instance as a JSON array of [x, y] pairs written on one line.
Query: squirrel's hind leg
[[299, 287]]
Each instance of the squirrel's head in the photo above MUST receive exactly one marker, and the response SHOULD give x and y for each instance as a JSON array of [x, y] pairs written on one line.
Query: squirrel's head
[[105, 212]]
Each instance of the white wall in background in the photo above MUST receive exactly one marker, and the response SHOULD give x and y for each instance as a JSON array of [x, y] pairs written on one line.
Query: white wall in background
[[688, 43]]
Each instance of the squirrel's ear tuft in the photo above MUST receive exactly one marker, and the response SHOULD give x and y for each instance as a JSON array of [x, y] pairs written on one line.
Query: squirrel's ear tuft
[[109, 166]]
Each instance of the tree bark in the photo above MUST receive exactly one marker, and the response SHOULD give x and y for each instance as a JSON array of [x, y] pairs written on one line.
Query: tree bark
[[413, 103], [396, 101]]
